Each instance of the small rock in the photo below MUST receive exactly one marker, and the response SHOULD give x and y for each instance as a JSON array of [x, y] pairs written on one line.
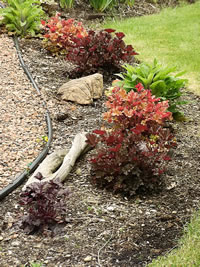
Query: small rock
[[15, 243], [111, 208], [68, 256], [173, 185], [78, 171], [61, 116], [1, 238], [156, 251], [39, 245], [87, 259]]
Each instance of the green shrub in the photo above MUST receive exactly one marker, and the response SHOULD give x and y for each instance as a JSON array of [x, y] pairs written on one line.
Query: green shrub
[[160, 80], [66, 3], [100, 5], [22, 17], [126, 2]]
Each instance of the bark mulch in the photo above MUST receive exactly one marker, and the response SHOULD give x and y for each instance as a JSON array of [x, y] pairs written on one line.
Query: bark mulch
[[22, 116]]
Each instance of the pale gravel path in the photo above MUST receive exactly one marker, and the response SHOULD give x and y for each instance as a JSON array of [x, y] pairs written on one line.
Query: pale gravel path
[[22, 122]]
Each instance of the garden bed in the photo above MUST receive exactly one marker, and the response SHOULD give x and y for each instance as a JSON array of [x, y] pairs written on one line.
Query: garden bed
[[103, 229]]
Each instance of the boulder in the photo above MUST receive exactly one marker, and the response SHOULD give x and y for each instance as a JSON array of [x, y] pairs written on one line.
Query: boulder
[[83, 90]]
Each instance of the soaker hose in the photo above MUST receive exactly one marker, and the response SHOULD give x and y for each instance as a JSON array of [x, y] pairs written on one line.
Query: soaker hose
[[22, 177]]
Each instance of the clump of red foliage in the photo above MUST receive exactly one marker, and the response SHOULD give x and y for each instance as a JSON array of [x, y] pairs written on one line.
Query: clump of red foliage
[[45, 204], [99, 49], [59, 33], [132, 149]]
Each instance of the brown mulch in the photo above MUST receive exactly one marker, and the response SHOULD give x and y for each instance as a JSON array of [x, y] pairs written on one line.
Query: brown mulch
[[22, 116], [103, 229]]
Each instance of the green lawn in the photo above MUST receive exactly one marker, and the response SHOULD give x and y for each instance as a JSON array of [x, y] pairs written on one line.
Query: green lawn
[[173, 37]]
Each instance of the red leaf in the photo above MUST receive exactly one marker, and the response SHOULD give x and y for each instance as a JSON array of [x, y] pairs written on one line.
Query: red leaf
[[120, 35], [166, 158], [100, 132], [160, 171], [109, 30], [110, 48], [116, 148], [92, 139], [139, 128], [129, 48], [110, 139], [139, 87], [43, 22]]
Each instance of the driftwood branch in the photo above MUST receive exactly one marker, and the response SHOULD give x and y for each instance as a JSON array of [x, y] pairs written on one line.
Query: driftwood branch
[[59, 163]]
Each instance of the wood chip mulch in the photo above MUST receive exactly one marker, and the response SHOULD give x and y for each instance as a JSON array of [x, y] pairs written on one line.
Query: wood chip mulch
[[22, 122]]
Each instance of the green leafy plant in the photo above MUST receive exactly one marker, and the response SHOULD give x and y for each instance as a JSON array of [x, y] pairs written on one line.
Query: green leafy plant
[[22, 17], [99, 49], [44, 203], [129, 2], [100, 5], [126, 2], [159, 79], [131, 151], [66, 3], [59, 33]]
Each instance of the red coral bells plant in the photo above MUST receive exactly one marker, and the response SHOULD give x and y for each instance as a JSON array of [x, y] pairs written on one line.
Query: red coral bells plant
[[100, 49], [135, 109], [59, 33], [132, 151]]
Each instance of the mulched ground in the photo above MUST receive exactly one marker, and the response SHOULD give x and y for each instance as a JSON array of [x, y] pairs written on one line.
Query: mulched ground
[[22, 116], [102, 229]]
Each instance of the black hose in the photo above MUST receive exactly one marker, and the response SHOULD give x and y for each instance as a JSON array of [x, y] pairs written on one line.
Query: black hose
[[21, 178], [24, 65]]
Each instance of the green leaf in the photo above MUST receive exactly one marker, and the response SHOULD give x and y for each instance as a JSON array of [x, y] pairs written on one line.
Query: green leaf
[[120, 75], [179, 116], [163, 74], [158, 88], [134, 77], [145, 70], [22, 24], [150, 79], [180, 73], [155, 62]]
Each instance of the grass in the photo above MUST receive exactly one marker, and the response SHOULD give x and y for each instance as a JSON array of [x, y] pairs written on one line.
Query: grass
[[172, 36]]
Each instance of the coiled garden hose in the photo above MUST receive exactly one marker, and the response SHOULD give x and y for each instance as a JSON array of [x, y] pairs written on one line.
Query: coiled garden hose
[[22, 177]]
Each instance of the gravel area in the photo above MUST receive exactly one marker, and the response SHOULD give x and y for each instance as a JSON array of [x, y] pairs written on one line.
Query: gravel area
[[22, 122]]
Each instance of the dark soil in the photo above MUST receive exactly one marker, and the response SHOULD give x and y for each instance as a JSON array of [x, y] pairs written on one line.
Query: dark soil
[[103, 229]]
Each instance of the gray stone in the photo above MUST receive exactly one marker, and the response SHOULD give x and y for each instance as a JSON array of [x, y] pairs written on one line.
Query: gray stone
[[83, 90]]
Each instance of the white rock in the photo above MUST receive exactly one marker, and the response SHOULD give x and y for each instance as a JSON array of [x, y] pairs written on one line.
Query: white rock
[[111, 208], [87, 259]]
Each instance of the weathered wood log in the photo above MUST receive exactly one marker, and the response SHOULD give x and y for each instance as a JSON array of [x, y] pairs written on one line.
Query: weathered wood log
[[59, 163]]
